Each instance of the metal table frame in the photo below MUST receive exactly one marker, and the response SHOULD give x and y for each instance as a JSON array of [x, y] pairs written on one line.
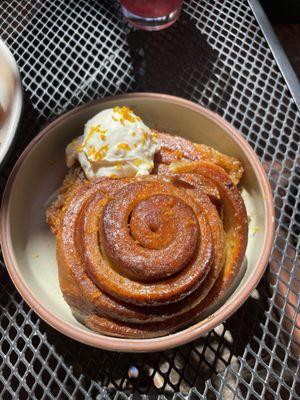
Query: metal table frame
[[70, 52]]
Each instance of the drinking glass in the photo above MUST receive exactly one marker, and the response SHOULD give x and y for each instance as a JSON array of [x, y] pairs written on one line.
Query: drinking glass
[[151, 15]]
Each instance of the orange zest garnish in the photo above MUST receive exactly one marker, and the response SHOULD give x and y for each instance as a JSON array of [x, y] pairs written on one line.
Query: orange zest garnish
[[125, 115], [154, 137], [101, 153], [91, 151], [123, 146], [144, 137], [97, 154], [94, 129], [119, 165], [137, 162]]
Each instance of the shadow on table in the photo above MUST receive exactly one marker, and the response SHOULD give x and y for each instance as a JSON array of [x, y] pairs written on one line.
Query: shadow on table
[[180, 61], [163, 61], [174, 370]]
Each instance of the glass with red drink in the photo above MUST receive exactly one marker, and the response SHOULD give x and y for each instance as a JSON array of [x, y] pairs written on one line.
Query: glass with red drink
[[151, 14]]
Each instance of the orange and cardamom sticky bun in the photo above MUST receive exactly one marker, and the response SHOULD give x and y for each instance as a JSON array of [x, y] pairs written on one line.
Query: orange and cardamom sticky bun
[[176, 148], [141, 257]]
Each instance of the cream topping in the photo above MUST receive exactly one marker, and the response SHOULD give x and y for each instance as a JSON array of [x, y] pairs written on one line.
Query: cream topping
[[116, 143]]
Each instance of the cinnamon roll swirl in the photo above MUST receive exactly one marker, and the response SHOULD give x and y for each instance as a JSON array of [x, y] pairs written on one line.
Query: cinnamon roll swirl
[[141, 257]]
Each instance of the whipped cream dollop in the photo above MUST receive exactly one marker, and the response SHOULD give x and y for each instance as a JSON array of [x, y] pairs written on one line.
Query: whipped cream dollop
[[116, 143]]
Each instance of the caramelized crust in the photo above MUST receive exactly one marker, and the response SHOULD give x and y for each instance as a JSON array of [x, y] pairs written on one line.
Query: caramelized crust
[[71, 183], [175, 149], [141, 257]]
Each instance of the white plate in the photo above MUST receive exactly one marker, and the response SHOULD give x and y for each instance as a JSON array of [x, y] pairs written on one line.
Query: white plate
[[11, 99]]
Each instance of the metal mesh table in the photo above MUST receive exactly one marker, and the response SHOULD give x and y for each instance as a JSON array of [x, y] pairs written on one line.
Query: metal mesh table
[[70, 52]]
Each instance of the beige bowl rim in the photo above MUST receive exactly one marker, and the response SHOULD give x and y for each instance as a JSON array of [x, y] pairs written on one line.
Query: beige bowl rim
[[140, 345]]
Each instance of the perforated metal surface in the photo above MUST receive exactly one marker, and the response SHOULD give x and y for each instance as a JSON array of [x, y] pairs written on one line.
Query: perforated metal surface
[[73, 51]]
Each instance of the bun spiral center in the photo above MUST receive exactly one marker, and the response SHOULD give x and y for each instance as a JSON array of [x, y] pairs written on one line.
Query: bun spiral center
[[159, 234]]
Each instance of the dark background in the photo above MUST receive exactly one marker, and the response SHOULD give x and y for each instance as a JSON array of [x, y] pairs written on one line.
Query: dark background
[[285, 18]]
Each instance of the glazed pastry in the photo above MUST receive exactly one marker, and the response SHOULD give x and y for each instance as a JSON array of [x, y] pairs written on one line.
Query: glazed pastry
[[143, 256], [175, 148], [140, 257]]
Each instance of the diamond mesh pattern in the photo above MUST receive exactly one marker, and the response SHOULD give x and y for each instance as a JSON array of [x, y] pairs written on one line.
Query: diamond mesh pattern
[[70, 52]]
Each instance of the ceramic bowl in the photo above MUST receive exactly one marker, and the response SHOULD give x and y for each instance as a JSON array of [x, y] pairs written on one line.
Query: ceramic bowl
[[29, 247]]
